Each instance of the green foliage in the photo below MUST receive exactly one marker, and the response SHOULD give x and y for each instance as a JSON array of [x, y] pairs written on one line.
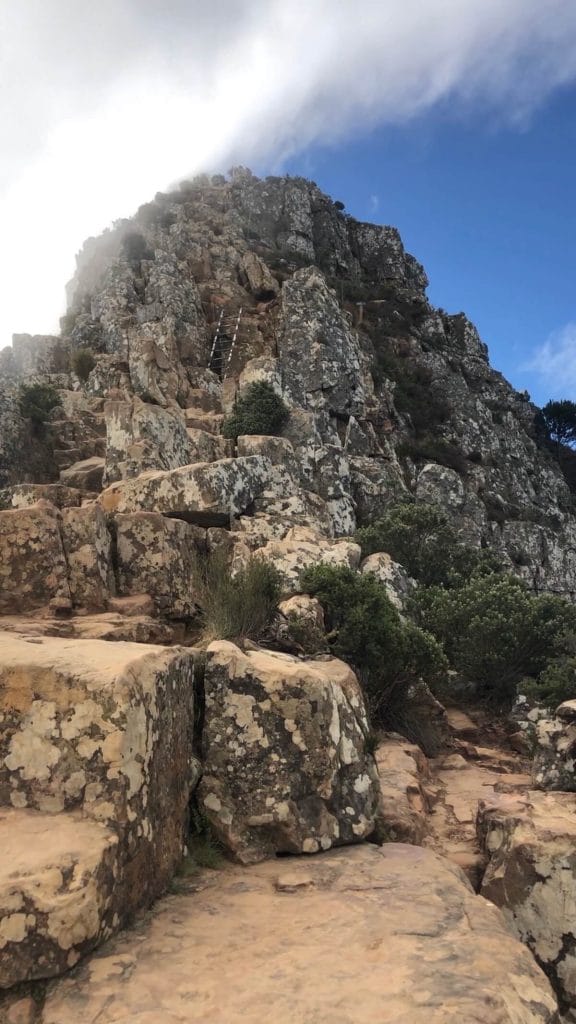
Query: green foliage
[[420, 537], [366, 630], [555, 684], [259, 410], [305, 634], [36, 402], [559, 420], [426, 448], [204, 849], [83, 362], [235, 606], [494, 631]]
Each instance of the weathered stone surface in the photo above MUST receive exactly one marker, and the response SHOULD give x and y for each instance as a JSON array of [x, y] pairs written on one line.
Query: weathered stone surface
[[104, 730], [56, 892], [155, 556], [313, 322], [258, 278], [303, 607], [554, 742], [204, 493], [32, 562], [60, 495], [531, 875], [302, 548], [403, 772], [399, 586], [88, 550], [285, 767], [86, 475], [393, 935], [141, 437], [208, 447]]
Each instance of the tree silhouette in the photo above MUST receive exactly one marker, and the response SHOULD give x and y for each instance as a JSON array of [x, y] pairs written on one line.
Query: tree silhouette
[[559, 419]]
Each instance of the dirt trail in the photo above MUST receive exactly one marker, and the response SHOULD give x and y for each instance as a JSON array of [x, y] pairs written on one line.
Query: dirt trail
[[482, 763]]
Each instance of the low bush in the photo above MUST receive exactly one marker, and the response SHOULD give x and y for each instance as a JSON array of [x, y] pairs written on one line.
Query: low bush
[[420, 537], [306, 635], [83, 362], [258, 410], [495, 632], [36, 403], [426, 448], [365, 629], [235, 606], [555, 684]]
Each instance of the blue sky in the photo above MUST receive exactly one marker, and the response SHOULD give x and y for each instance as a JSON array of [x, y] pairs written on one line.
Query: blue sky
[[489, 209]]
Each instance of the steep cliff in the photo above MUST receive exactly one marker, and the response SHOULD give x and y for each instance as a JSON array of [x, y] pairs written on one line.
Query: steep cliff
[[388, 395]]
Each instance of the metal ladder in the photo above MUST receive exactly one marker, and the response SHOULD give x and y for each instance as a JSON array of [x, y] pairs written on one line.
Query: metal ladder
[[225, 337]]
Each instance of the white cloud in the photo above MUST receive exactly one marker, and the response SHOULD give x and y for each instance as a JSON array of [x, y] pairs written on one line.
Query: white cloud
[[555, 362], [104, 104]]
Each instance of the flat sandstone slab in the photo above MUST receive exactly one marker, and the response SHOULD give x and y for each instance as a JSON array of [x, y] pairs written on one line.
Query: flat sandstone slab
[[52, 901], [392, 935]]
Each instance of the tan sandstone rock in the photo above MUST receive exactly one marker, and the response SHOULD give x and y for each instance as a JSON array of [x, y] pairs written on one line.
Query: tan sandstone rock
[[32, 561], [531, 876], [156, 556], [85, 475], [403, 772], [102, 730], [56, 891], [285, 766], [392, 936], [302, 548], [88, 550]]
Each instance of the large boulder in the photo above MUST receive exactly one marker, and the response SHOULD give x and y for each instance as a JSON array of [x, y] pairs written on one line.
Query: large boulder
[[285, 762], [303, 548], [531, 876], [141, 437], [156, 556], [101, 733], [33, 567], [206, 493], [88, 549], [392, 935]]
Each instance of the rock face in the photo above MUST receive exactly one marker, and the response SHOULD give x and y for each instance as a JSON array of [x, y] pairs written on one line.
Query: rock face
[[555, 745], [100, 737], [531, 875], [285, 767], [393, 935], [388, 396]]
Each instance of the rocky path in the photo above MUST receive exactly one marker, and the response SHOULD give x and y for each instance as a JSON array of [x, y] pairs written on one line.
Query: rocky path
[[481, 765]]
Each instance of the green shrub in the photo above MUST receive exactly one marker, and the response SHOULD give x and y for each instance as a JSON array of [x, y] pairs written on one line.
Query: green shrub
[[366, 630], [83, 362], [306, 635], [495, 632], [426, 448], [420, 537], [258, 410], [235, 606], [555, 684], [36, 402]]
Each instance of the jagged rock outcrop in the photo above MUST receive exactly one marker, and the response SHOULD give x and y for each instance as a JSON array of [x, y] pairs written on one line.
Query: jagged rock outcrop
[[531, 875], [555, 748], [285, 764], [393, 935], [96, 770], [389, 397]]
